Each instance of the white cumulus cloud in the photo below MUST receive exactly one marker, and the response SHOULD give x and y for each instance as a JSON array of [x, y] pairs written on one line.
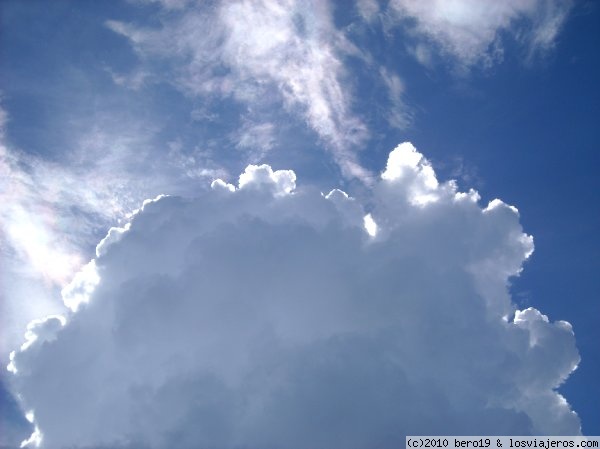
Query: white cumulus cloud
[[268, 314]]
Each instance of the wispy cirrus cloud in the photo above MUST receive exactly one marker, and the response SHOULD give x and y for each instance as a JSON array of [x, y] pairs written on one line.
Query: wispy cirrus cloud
[[256, 52], [397, 115], [291, 55], [256, 138]]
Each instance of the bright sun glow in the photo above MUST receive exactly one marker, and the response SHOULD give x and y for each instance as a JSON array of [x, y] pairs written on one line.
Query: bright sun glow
[[33, 239]]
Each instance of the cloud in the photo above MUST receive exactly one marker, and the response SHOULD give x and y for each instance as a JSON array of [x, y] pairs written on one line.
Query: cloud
[[471, 31], [262, 53], [257, 138], [368, 9], [398, 116], [271, 315]]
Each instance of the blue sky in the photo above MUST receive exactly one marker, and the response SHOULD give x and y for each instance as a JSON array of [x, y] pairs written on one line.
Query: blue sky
[[106, 104]]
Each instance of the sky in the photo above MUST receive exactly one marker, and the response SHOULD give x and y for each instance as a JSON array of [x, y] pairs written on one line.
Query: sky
[[287, 223]]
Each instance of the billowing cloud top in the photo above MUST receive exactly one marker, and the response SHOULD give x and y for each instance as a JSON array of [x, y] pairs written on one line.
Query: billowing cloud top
[[270, 315]]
